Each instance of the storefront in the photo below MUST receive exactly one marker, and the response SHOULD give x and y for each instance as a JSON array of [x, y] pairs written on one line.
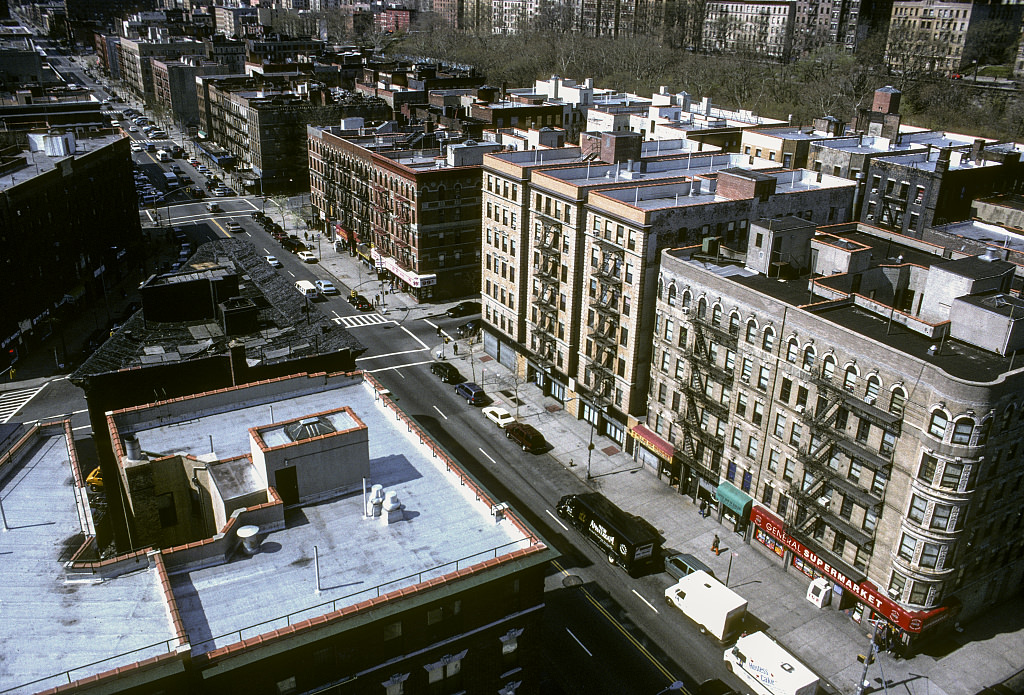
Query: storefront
[[365, 254], [734, 507], [857, 597], [655, 453], [420, 286]]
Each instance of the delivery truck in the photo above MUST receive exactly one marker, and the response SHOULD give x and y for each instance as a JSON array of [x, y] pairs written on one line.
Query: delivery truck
[[768, 668], [715, 608], [629, 541]]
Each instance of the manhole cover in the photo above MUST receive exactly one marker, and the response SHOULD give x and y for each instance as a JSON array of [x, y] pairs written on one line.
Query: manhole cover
[[609, 450], [572, 580]]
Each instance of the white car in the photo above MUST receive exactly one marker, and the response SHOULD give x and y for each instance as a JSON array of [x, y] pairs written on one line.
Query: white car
[[233, 226], [326, 287], [499, 416], [136, 147], [132, 129], [272, 260], [307, 256]]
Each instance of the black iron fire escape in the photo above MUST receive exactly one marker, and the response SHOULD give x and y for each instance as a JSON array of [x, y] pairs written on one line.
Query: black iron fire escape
[[547, 299], [605, 302]]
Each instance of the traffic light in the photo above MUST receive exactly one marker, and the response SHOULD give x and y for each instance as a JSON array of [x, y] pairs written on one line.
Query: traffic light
[[446, 339]]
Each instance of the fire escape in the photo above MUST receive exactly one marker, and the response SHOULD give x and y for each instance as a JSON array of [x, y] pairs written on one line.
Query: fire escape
[[701, 447], [813, 494], [547, 299], [605, 303], [894, 205]]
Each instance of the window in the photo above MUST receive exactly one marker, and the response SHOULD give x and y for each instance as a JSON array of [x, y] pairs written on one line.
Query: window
[[773, 460], [786, 390], [766, 496], [897, 585], [801, 396], [850, 378], [668, 330], [734, 324], [741, 404], [788, 472], [796, 434], [828, 369], [863, 431], [783, 505], [962, 429], [899, 400], [792, 350], [937, 424], [762, 378], [871, 392], [908, 546], [846, 509], [888, 445], [808, 363], [780, 425], [769, 339], [838, 543], [919, 594], [716, 316], [752, 445], [737, 437], [758, 416], [878, 483], [940, 517], [751, 331], [918, 507], [748, 367], [951, 474], [930, 555], [926, 472]]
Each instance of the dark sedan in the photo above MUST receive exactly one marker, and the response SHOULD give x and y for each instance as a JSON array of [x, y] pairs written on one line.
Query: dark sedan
[[464, 309]]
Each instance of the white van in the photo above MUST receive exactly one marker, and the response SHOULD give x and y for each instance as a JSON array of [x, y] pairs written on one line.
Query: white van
[[163, 156], [768, 668], [306, 289]]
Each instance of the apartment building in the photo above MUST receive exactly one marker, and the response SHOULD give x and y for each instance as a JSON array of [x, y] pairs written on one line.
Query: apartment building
[[262, 121], [426, 584], [412, 206], [69, 192], [135, 62], [788, 144], [570, 255], [761, 27], [857, 416], [174, 87], [940, 36]]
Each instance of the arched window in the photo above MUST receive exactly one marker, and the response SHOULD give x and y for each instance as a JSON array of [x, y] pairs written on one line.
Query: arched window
[[898, 401], [792, 350], [671, 295], [850, 378], [702, 308], [716, 315], [808, 358], [768, 342], [828, 368], [871, 392], [734, 324], [962, 430], [687, 298], [937, 424], [751, 330]]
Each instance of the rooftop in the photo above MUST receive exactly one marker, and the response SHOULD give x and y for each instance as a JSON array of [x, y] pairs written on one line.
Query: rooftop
[[446, 525], [55, 621], [649, 170], [38, 161], [283, 328]]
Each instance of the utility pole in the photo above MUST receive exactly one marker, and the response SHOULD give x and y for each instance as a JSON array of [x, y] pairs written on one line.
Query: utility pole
[[869, 659]]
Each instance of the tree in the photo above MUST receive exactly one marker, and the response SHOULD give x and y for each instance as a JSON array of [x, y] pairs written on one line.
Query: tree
[[991, 42]]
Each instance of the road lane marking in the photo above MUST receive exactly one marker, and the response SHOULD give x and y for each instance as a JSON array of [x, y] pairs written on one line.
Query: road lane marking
[[485, 454], [618, 626], [415, 337], [557, 520], [291, 273], [578, 642], [391, 354], [645, 601], [439, 411]]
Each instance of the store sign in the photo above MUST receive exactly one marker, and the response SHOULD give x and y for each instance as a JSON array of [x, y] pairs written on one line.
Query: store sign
[[868, 593], [410, 278]]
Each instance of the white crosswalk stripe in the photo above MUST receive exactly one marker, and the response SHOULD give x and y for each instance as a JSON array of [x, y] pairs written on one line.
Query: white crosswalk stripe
[[13, 401], [361, 320]]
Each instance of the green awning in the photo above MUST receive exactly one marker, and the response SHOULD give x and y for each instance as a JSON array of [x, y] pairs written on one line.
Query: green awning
[[735, 499]]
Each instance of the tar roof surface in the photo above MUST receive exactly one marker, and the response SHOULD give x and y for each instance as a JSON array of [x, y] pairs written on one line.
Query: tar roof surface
[[52, 622], [284, 329], [445, 527]]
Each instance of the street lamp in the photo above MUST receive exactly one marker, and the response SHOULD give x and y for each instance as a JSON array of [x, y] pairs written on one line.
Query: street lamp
[[590, 445]]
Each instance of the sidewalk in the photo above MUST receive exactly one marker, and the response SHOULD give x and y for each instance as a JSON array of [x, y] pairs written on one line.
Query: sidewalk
[[986, 652]]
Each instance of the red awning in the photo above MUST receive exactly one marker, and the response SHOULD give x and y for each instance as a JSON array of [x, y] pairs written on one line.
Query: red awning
[[653, 442], [342, 232]]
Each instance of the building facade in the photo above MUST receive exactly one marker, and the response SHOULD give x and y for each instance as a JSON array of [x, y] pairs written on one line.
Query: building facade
[[872, 453], [761, 27]]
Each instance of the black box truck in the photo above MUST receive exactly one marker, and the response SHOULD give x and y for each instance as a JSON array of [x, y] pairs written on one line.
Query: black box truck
[[629, 541]]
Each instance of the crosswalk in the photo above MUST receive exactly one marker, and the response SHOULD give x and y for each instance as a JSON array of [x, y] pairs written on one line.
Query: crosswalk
[[360, 321], [13, 401]]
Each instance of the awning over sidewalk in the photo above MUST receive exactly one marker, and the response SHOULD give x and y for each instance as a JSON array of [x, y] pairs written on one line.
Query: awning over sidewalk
[[364, 252], [409, 277], [342, 232], [735, 499], [653, 442]]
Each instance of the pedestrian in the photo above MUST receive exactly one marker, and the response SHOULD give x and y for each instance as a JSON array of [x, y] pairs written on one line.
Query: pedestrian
[[714, 545], [455, 348], [704, 509]]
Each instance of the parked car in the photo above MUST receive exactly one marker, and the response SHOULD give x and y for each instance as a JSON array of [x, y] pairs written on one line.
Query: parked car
[[525, 436], [682, 564], [499, 416], [473, 394], [307, 256], [448, 373], [326, 287], [468, 328], [463, 309], [362, 303], [272, 260]]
